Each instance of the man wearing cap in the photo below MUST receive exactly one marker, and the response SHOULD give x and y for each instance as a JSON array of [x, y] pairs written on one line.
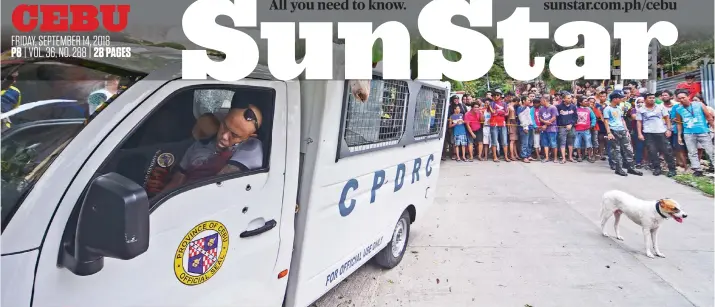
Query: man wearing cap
[[690, 85], [618, 137], [499, 110]]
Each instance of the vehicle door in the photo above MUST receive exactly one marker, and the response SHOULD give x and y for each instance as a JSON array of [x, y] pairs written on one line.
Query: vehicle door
[[214, 241]]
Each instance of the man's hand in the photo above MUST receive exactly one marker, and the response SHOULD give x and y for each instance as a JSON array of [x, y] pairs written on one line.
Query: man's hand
[[641, 137], [228, 169], [568, 127], [668, 133], [680, 140], [610, 136], [156, 184]]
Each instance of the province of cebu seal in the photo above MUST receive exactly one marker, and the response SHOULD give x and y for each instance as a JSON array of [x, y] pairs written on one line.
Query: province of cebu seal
[[165, 160], [201, 253]]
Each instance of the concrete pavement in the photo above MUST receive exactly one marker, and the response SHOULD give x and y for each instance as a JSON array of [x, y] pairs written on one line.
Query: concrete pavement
[[515, 234]]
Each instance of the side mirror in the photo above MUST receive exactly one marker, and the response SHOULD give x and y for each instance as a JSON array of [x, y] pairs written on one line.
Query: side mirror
[[113, 222]]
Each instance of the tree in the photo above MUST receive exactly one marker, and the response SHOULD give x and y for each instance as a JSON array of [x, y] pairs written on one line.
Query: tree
[[686, 55]]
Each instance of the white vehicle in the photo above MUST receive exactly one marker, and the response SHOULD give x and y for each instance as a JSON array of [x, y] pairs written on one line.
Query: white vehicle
[[339, 183]]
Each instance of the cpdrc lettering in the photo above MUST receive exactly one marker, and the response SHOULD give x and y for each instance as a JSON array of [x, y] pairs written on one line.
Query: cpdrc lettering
[[346, 207], [416, 170], [352, 184], [379, 175], [428, 168], [400, 176]]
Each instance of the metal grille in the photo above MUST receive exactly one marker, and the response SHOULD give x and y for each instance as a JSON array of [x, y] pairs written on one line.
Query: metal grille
[[380, 121], [429, 111]]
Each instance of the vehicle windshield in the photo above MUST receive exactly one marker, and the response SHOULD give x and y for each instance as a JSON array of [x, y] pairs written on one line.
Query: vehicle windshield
[[44, 106]]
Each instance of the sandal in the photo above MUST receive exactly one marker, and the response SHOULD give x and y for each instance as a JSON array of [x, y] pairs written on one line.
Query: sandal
[[527, 161], [470, 160], [496, 160], [563, 162]]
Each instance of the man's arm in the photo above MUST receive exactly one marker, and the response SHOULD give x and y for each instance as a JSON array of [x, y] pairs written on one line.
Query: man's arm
[[593, 118], [606, 116], [708, 115], [679, 122], [228, 169]]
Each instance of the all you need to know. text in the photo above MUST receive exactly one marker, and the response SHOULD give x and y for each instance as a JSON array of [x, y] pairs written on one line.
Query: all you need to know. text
[[343, 5], [434, 25]]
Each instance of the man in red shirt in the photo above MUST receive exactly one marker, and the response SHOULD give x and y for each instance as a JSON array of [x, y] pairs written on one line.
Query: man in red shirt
[[690, 85], [499, 110], [473, 119]]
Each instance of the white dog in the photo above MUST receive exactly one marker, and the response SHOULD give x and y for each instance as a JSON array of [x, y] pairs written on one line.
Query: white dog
[[649, 214]]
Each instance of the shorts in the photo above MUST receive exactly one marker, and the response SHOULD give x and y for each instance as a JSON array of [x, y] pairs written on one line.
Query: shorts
[[548, 139], [582, 139], [498, 134], [460, 140], [486, 135], [537, 139], [566, 137], [478, 136], [513, 131], [470, 139], [674, 143]]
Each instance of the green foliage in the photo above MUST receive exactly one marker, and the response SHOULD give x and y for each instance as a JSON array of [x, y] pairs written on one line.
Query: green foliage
[[686, 55], [704, 184]]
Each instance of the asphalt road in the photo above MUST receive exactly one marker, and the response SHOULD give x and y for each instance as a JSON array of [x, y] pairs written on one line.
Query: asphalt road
[[515, 234]]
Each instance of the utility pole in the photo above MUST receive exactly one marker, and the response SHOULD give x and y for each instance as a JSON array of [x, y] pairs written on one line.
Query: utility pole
[[616, 65], [653, 49]]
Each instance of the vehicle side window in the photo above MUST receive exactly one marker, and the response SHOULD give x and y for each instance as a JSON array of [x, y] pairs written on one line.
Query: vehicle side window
[[429, 109], [380, 121], [27, 151], [196, 135]]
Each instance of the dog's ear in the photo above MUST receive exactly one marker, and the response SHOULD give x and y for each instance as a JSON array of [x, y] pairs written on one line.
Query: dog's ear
[[667, 204]]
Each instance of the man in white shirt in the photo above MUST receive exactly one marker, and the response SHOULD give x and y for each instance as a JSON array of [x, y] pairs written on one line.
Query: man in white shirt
[[655, 128]]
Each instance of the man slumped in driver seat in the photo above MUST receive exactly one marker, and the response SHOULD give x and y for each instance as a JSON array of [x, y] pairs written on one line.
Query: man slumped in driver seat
[[234, 148]]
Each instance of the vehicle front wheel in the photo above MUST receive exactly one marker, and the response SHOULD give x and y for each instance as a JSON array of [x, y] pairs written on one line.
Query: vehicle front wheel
[[390, 256]]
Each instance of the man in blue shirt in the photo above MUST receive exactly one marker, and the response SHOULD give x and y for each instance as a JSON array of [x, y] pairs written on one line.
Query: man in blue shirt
[[693, 121], [618, 137], [565, 121]]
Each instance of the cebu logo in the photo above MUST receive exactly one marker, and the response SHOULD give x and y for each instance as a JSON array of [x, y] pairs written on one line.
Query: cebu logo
[[201, 253]]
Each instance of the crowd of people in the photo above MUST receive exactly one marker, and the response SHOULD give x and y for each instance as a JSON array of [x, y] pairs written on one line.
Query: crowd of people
[[630, 127]]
